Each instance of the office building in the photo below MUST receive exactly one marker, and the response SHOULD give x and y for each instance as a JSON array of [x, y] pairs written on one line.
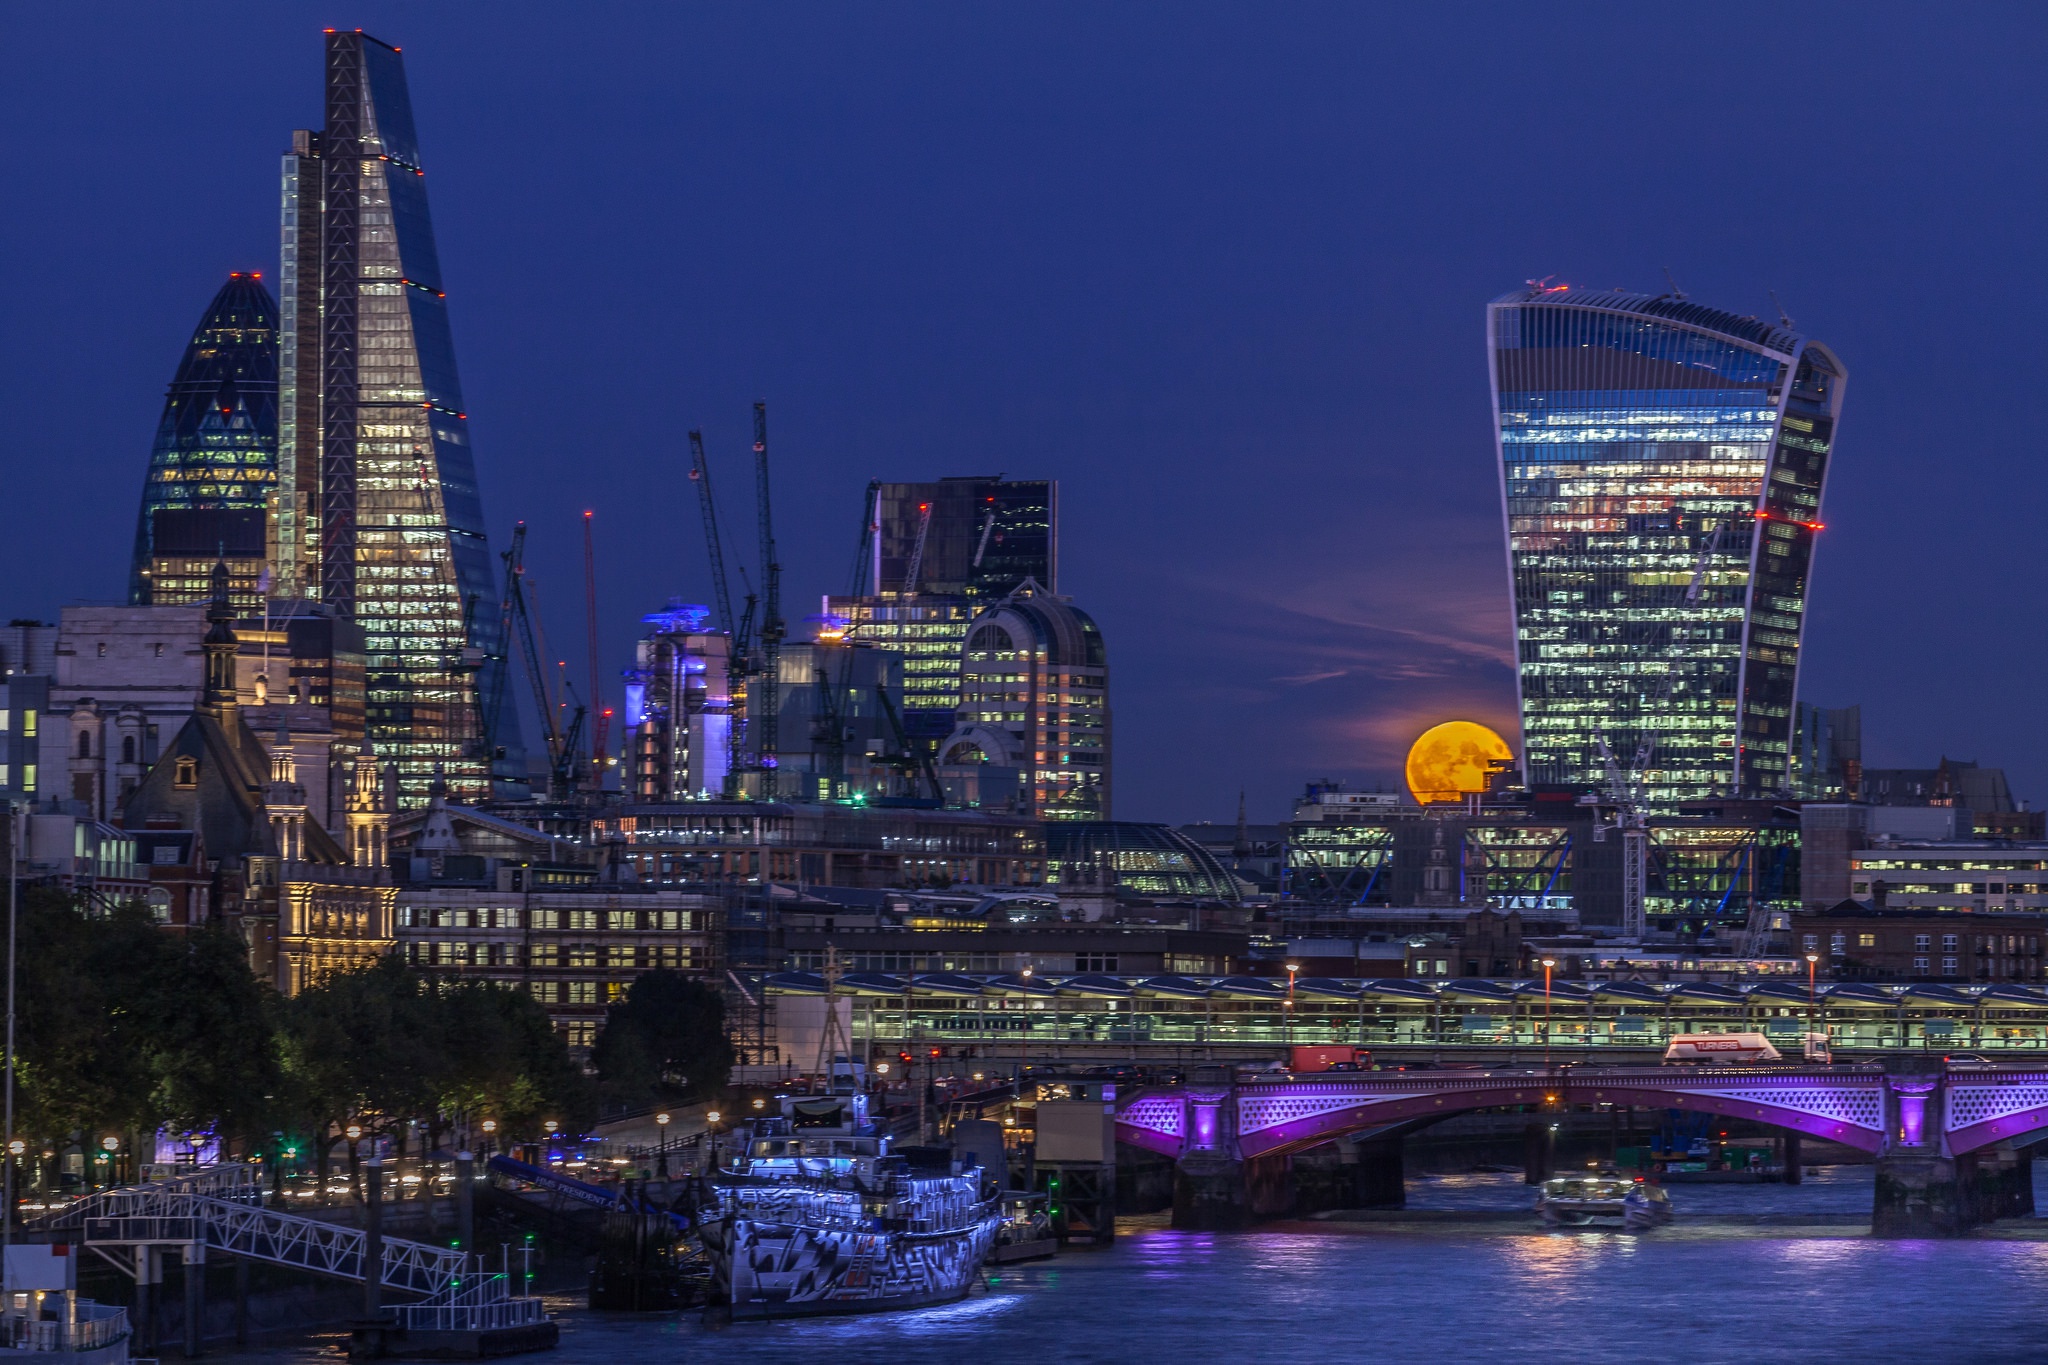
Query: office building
[[1662, 465], [378, 513], [939, 551], [677, 743], [213, 467], [1034, 702]]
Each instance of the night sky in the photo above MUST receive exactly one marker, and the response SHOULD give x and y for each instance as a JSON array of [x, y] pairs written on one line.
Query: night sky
[[1220, 270]]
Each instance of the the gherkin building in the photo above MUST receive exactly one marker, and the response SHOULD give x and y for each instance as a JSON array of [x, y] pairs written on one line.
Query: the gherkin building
[[214, 464]]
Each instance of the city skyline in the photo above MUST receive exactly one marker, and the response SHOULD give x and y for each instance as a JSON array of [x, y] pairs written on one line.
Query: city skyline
[[1255, 472]]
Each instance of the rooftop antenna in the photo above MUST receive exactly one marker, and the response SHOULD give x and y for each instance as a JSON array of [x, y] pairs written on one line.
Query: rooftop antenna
[[1672, 280], [1784, 320]]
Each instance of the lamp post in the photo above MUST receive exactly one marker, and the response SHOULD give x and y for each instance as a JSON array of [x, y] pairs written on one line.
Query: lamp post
[[1292, 969], [1024, 1050], [15, 1151], [1549, 963], [1812, 997], [711, 1121], [112, 1145], [490, 1136], [661, 1161]]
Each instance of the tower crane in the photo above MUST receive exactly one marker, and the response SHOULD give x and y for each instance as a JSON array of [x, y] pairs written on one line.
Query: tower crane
[[600, 713], [768, 737], [830, 732], [519, 614], [916, 565], [738, 629]]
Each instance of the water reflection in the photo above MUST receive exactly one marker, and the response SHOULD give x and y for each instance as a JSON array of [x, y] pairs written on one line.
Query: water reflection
[[1729, 1285]]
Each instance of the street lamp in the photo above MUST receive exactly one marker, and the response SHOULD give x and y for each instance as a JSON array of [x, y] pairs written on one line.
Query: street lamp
[[1549, 963], [112, 1145], [711, 1119], [1024, 1047], [661, 1161], [1292, 969], [490, 1136], [1812, 996]]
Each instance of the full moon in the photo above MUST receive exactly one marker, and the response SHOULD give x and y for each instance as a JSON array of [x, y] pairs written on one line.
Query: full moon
[[1452, 759]]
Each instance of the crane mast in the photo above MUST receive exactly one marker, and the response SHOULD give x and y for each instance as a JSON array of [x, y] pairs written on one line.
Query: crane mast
[[600, 714], [768, 727], [737, 628]]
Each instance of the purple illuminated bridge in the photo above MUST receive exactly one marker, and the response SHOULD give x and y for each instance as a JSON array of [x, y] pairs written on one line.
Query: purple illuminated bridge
[[1909, 1113]]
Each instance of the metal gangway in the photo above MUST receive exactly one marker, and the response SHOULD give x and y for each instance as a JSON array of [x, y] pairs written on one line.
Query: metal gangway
[[220, 1208]]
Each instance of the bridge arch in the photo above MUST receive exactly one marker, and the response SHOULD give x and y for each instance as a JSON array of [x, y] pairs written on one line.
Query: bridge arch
[[1275, 1118]]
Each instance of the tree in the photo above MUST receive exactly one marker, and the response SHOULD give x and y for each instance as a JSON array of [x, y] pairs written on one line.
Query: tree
[[123, 1027], [667, 1037]]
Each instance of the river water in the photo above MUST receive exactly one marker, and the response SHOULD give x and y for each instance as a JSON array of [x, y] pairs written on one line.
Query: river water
[[1749, 1274]]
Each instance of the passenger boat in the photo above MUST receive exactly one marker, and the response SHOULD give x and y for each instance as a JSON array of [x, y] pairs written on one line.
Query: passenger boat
[[1602, 1201], [1026, 1232], [818, 1215]]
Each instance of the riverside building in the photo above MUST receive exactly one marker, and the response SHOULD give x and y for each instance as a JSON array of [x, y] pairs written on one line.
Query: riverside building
[[1662, 465]]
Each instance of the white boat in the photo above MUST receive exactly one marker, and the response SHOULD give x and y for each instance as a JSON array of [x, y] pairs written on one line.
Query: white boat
[[1602, 1201], [819, 1216]]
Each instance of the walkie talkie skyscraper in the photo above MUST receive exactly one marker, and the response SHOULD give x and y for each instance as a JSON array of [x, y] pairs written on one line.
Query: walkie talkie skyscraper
[[377, 512], [1662, 465]]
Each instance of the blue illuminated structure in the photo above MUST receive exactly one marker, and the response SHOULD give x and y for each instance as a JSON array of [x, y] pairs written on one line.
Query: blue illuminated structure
[[213, 467], [1662, 465], [378, 512]]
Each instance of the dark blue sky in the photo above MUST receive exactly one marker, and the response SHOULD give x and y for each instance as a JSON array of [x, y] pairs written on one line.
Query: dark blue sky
[[1219, 270]]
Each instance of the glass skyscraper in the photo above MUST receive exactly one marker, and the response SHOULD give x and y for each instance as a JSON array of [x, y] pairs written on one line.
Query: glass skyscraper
[[213, 467], [378, 513], [1661, 473], [941, 551]]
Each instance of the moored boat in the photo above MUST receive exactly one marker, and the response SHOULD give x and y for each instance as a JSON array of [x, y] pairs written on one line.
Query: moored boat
[[820, 1216]]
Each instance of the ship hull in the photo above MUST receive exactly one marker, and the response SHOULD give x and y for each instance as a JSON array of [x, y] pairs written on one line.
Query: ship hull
[[778, 1270]]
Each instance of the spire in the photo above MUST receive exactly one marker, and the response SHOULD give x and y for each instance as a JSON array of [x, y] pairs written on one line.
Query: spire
[[1241, 847], [220, 645]]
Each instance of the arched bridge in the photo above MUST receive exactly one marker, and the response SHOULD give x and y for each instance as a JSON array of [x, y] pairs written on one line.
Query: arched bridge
[[1913, 1110]]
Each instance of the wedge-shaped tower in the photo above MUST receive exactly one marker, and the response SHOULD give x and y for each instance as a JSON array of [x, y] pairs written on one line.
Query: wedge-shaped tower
[[378, 513]]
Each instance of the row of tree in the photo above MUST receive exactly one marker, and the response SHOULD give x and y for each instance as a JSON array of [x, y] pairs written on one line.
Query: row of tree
[[124, 1029]]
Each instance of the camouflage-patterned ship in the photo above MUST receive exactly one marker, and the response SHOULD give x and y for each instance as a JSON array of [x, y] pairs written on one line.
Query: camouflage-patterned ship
[[819, 1216]]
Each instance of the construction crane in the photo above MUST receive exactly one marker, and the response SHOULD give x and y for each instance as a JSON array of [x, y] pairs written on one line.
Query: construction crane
[[909, 759], [988, 526], [738, 629], [916, 565], [519, 613], [767, 740], [601, 714], [829, 733]]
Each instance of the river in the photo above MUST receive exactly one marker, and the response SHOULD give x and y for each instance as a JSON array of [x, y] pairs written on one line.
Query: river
[[1749, 1274]]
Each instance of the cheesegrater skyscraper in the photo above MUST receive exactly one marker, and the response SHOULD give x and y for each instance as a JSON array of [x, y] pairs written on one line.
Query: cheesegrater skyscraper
[[377, 512], [1662, 465]]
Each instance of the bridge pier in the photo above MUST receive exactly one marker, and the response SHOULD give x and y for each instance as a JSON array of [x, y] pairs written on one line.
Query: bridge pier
[[1382, 1180], [1209, 1194], [1936, 1196]]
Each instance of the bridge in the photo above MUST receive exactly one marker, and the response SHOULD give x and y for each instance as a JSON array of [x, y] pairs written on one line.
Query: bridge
[[1949, 1141], [219, 1209]]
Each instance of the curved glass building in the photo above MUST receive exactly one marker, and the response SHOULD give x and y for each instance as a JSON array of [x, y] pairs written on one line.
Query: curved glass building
[[214, 464], [1662, 465]]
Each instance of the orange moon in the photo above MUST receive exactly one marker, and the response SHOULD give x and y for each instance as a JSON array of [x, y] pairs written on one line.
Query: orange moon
[[1454, 758]]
